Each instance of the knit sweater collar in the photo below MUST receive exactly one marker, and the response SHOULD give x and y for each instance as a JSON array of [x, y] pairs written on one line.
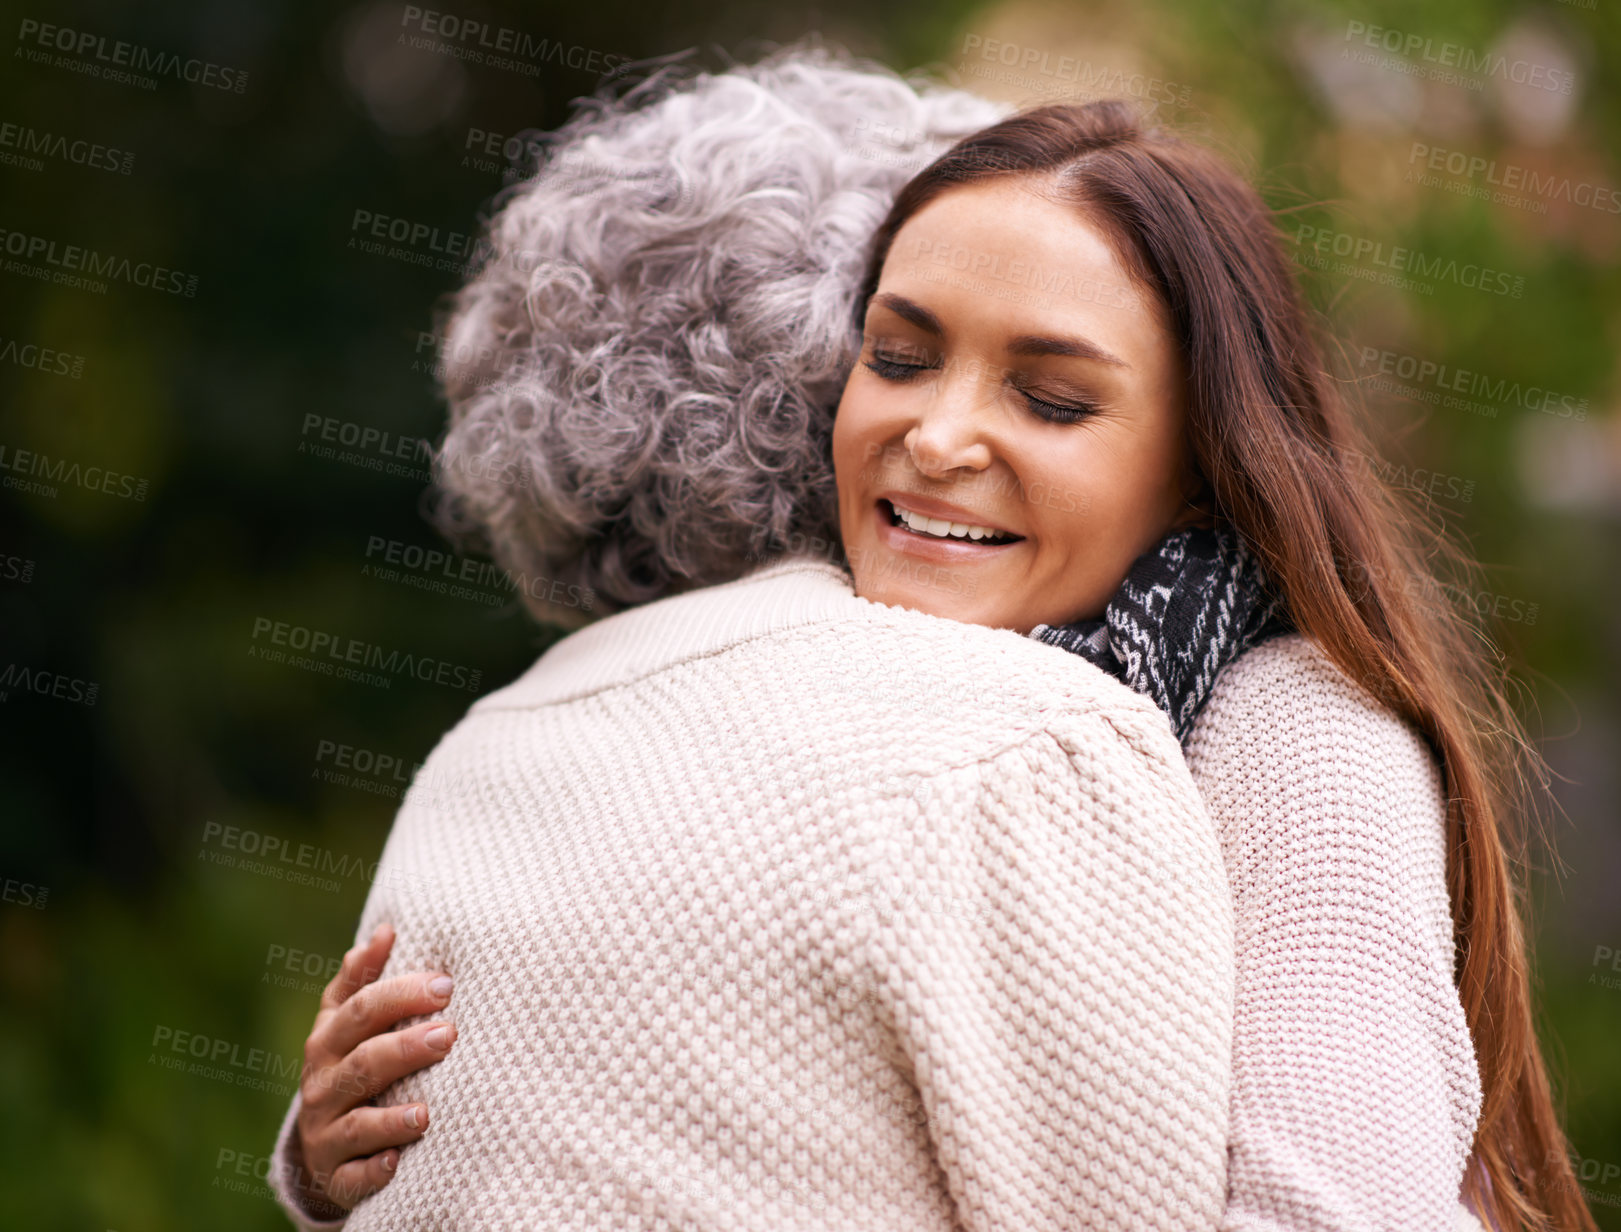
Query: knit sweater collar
[[780, 594]]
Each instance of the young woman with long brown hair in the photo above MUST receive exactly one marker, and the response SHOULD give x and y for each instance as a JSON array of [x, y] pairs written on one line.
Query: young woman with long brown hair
[[1283, 463]]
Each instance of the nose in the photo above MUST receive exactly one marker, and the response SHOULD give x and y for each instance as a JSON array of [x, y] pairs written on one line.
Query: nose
[[952, 428]]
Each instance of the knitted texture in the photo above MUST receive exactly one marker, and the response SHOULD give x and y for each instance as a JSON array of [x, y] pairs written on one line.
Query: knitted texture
[[1189, 606], [1355, 1089], [773, 908]]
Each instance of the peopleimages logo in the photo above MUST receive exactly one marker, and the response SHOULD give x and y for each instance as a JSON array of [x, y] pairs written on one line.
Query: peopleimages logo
[[1396, 262], [433, 247], [976, 263], [442, 572], [223, 1060], [61, 470], [47, 684], [1517, 184], [71, 260], [41, 358], [16, 568], [22, 146], [1432, 485], [502, 47], [1025, 65], [365, 762], [99, 56], [420, 243], [330, 654], [1456, 388], [1470, 64]]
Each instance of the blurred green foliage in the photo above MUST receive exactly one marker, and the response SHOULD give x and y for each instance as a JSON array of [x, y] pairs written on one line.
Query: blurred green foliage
[[205, 399]]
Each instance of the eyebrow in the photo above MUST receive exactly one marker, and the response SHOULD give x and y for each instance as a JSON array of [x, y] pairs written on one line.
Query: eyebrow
[[1024, 344]]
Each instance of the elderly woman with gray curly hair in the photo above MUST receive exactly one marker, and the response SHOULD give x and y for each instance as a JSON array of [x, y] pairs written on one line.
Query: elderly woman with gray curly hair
[[1010, 787]]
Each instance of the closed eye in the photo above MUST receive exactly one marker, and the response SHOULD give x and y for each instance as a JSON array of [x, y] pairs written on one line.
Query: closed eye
[[1055, 412], [894, 370], [1059, 412]]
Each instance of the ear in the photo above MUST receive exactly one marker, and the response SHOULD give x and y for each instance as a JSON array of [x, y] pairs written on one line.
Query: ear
[[1198, 507], [1195, 515]]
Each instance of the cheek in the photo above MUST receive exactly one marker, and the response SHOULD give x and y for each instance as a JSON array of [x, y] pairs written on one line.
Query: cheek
[[848, 415], [859, 444], [849, 453], [844, 438], [1104, 506], [1082, 491]]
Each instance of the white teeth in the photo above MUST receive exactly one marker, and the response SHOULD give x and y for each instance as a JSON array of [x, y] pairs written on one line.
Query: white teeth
[[943, 529]]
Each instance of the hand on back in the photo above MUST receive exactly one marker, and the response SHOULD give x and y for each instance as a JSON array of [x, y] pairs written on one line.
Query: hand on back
[[351, 1148]]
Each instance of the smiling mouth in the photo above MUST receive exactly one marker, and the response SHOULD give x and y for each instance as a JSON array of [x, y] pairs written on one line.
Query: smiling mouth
[[941, 530]]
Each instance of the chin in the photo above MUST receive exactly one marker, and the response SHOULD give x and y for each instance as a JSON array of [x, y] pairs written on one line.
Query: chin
[[944, 592]]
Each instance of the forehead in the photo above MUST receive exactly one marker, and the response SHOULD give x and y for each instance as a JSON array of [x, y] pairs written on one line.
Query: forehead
[[1007, 255]]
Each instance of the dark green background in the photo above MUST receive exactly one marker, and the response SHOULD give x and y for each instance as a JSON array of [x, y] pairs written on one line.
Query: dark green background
[[154, 600]]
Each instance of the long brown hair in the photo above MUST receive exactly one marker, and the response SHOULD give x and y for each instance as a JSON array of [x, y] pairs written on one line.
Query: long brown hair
[[1285, 462]]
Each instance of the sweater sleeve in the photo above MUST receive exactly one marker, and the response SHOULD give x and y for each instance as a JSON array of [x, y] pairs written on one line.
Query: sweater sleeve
[[1355, 1091], [1058, 969], [288, 1169], [289, 1174], [397, 883]]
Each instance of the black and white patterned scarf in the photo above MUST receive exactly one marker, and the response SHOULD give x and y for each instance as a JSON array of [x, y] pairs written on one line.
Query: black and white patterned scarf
[[1188, 607]]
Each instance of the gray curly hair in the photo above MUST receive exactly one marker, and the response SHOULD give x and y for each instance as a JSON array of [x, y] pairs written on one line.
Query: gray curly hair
[[642, 374]]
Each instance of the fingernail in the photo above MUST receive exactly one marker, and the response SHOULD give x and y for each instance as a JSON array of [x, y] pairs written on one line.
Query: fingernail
[[440, 986], [438, 1039], [413, 1116], [388, 1162], [378, 931]]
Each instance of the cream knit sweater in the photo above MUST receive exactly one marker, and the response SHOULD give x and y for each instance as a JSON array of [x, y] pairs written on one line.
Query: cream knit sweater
[[1355, 1092], [773, 908]]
